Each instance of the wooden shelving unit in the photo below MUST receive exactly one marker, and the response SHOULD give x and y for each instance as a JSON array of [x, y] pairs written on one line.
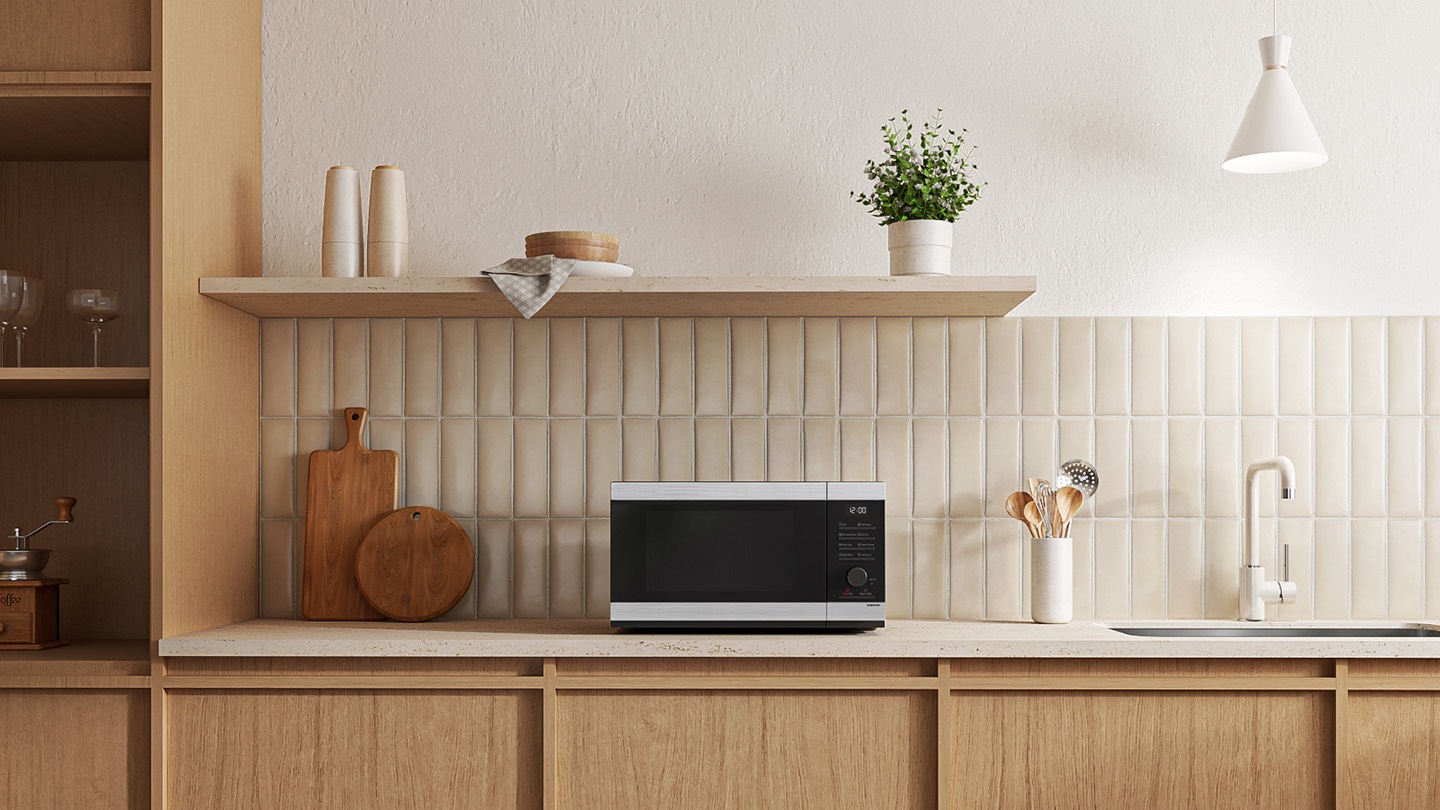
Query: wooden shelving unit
[[74, 383], [85, 658], [75, 115], [639, 296]]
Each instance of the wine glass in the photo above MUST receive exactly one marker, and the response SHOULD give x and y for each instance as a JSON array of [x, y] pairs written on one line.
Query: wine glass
[[30, 305], [12, 295], [95, 307]]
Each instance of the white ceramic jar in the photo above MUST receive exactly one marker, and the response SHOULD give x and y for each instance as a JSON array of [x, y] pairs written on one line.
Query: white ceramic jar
[[1052, 565], [920, 247]]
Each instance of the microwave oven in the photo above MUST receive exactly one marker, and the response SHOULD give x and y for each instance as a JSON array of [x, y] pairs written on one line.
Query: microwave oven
[[747, 555]]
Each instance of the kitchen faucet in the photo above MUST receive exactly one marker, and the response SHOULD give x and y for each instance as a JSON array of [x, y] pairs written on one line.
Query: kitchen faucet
[[1255, 590]]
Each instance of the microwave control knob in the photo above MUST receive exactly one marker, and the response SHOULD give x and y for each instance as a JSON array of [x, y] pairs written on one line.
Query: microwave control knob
[[857, 577]]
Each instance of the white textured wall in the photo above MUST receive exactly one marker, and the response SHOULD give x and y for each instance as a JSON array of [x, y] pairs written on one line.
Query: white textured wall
[[723, 137]]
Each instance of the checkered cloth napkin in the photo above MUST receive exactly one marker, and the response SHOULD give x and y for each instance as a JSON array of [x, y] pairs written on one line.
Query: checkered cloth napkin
[[530, 283]]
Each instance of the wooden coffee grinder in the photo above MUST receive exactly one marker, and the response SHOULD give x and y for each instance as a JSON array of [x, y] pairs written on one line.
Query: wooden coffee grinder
[[30, 603]]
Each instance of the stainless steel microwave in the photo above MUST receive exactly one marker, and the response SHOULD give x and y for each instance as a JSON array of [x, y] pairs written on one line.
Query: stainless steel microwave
[[747, 555]]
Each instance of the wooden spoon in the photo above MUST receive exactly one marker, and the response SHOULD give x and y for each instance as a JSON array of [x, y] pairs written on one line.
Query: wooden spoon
[[1032, 516], [1015, 508], [1067, 503]]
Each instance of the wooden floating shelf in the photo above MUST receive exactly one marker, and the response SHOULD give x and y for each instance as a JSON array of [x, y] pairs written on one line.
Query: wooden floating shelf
[[97, 658], [75, 115], [639, 296], [74, 383]]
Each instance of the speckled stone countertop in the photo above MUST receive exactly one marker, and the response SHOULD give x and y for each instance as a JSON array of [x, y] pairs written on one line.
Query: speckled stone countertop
[[533, 638]]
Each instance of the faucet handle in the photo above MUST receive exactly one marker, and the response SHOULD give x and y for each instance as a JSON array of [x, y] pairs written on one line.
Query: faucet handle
[[1286, 571]]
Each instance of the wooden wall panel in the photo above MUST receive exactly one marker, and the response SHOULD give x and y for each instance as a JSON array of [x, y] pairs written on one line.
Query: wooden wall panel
[[1392, 750], [1130, 749], [75, 35], [66, 749], [353, 749], [745, 749]]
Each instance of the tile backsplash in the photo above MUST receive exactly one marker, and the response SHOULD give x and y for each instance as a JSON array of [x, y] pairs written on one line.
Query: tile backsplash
[[516, 428]]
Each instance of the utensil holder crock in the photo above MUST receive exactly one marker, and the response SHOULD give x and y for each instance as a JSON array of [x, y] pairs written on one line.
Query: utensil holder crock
[[1052, 598]]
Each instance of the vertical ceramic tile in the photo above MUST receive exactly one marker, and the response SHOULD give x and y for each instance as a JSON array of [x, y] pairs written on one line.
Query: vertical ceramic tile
[[897, 569], [1112, 569], [1257, 441], [494, 568], [1037, 449], [1293, 440], [747, 449], [277, 367], [387, 367], [312, 367], [1332, 569], [1258, 386], [747, 366], [532, 457], [532, 367], [602, 464], [1332, 467], [277, 468], [677, 366], [822, 450], [1112, 462], [1186, 371], [494, 468], [1369, 597], [567, 367], [1367, 468], [1082, 539], [967, 366], [857, 366], [1076, 366], [458, 484], [677, 450], [967, 570], [930, 468], [712, 450], [1037, 366], [493, 343], [821, 367], [785, 344], [1002, 464], [1002, 367], [1432, 366], [1148, 569], [1147, 366], [1405, 545], [1367, 366], [1222, 366], [1222, 468], [1004, 571], [784, 450], [1186, 457], [567, 467], [532, 569], [1185, 569], [638, 450], [1432, 570], [967, 468], [1147, 468], [639, 370], [1077, 439], [1405, 454], [892, 366], [567, 569], [1222, 569], [422, 367], [892, 464], [712, 366], [597, 568], [277, 569], [1299, 536], [389, 434], [350, 362], [457, 366], [1332, 366], [930, 567], [928, 340], [311, 435], [602, 366], [422, 463], [1297, 365], [1405, 348], [1432, 468], [857, 450], [1112, 366], [467, 609]]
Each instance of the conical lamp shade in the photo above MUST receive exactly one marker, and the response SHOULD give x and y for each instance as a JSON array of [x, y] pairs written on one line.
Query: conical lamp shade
[[1276, 134]]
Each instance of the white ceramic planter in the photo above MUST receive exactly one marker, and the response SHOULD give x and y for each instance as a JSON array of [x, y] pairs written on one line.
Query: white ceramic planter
[[1052, 597], [920, 247]]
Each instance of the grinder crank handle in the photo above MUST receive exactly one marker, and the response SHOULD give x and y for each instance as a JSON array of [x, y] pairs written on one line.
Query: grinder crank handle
[[64, 505]]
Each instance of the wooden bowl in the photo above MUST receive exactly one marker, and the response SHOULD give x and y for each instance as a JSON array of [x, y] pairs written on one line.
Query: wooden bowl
[[547, 237], [584, 253]]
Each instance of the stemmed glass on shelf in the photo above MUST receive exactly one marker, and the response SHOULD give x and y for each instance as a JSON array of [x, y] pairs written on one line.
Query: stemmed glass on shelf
[[12, 296], [97, 308], [33, 300]]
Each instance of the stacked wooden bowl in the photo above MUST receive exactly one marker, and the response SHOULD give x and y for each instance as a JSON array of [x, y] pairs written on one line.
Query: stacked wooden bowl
[[585, 246]]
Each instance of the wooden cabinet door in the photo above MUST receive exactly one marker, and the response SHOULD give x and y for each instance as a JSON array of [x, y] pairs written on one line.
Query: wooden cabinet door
[[1392, 749], [74, 748]]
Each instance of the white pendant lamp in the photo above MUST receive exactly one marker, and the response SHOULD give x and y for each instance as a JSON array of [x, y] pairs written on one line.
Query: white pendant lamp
[[1276, 134]]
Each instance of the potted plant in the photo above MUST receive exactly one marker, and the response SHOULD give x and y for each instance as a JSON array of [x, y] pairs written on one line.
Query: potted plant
[[920, 188]]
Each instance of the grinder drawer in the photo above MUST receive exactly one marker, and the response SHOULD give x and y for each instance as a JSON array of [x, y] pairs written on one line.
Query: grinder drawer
[[17, 628]]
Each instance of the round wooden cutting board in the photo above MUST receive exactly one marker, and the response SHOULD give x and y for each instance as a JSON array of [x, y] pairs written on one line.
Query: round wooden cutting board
[[415, 564]]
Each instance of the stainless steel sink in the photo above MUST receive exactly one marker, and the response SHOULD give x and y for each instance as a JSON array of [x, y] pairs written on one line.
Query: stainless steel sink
[[1268, 631]]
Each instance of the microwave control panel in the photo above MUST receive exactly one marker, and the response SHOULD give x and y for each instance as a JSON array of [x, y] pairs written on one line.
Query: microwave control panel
[[856, 559]]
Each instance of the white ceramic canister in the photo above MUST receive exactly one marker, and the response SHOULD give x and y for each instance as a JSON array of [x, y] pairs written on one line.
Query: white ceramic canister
[[920, 247], [342, 243], [389, 242], [1052, 585]]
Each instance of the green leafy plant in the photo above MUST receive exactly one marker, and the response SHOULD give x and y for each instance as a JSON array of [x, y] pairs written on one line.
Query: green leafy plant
[[924, 176]]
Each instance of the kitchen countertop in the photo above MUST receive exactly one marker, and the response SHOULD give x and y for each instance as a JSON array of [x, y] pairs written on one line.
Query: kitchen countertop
[[537, 638]]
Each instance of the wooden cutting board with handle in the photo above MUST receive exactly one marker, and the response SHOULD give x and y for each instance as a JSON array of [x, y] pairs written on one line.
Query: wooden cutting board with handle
[[415, 564], [350, 489]]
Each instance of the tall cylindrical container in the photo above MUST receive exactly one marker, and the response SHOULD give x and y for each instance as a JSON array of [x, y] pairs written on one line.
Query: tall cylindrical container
[[1052, 588], [389, 243], [342, 243]]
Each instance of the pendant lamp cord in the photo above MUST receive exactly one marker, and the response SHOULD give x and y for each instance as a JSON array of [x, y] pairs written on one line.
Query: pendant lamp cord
[[1275, 17]]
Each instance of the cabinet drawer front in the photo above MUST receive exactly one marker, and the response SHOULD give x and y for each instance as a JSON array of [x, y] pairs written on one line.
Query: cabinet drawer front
[[17, 628]]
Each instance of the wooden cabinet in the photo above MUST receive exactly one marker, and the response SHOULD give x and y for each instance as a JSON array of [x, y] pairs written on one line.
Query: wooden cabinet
[[44, 766]]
